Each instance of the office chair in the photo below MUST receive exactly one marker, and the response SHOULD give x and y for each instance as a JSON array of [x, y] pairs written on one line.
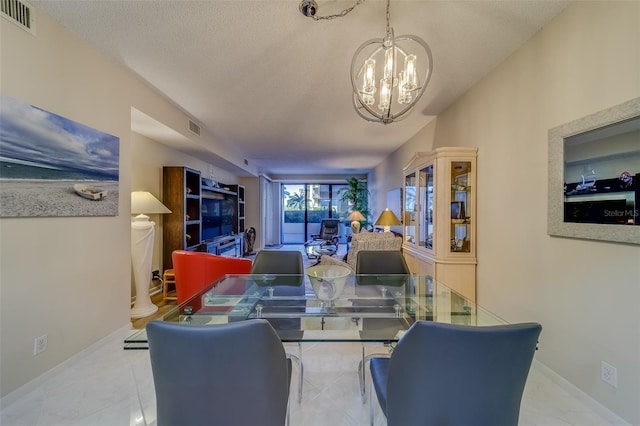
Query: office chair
[[380, 268], [455, 374], [290, 284], [211, 374]]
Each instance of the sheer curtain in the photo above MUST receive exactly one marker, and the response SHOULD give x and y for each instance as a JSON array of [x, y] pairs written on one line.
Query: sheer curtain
[[270, 207]]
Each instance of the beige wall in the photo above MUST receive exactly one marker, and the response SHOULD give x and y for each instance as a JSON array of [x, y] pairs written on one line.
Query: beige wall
[[389, 175], [585, 293], [148, 157], [70, 278]]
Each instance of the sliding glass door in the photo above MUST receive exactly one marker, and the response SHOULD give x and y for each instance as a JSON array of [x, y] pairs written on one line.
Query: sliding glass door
[[305, 205]]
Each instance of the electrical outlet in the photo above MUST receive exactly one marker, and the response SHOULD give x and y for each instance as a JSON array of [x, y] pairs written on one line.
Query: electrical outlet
[[609, 374], [39, 344], [155, 275]]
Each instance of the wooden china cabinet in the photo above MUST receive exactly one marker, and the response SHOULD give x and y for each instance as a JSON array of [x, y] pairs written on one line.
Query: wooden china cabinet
[[440, 217]]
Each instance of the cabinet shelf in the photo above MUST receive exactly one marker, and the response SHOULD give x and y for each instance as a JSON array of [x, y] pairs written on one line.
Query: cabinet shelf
[[218, 190]]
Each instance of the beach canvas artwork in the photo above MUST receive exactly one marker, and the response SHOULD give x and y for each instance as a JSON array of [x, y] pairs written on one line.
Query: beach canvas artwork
[[53, 166]]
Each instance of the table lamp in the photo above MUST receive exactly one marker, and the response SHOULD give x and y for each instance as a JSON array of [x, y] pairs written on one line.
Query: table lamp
[[387, 219], [355, 217], [142, 236]]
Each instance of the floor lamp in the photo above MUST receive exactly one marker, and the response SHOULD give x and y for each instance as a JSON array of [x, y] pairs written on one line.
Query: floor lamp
[[387, 219], [142, 236]]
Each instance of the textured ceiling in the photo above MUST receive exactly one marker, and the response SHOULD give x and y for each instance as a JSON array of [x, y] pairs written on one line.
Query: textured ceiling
[[274, 85]]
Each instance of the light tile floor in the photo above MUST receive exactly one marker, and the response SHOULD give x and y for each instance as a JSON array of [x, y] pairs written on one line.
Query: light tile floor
[[108, 386]]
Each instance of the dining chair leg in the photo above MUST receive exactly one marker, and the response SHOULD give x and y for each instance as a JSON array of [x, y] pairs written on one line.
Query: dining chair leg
[[362, 372], [289, 411], [371, 390], [361, 376], [298, 360]]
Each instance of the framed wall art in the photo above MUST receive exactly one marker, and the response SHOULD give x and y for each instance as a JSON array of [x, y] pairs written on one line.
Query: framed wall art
[[53, 166], [594, 176]]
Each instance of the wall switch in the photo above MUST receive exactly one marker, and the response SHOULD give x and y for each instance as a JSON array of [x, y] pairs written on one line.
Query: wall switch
[[609, 374], [40, 344]]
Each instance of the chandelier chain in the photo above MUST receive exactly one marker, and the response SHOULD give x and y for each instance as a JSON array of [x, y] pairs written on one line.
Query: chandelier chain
[[341, 14], [388, 17]]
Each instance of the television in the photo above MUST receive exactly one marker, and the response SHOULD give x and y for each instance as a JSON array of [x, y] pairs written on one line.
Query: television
[[217, 218]]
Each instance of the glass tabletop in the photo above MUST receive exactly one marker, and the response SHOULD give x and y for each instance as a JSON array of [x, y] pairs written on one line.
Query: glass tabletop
[[356, 308]]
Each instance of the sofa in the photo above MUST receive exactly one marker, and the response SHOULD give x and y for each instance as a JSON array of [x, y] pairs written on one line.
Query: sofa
[[365, 241]]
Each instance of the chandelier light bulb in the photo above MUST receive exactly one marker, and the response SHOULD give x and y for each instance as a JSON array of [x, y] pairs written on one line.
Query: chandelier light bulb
[[411, 77], [385, 95], [368, 84], [404, 96], [388, 64]]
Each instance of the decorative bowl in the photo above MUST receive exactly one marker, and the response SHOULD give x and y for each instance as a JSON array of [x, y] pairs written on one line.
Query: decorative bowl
[[328, 281]]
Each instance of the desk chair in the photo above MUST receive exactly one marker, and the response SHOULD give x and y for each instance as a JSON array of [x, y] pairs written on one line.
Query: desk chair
[[211, 374], [288, 263], [455, 374]]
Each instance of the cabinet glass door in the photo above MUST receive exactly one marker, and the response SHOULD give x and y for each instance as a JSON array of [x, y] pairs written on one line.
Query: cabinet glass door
[[426, 207], [410, 208], [460, 209]]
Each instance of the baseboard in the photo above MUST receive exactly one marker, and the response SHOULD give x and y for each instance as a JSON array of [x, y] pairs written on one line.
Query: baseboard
[[34, 384], [611, 417]]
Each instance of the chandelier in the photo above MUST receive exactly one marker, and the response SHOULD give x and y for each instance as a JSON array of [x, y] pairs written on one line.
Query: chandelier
[[388, 75]]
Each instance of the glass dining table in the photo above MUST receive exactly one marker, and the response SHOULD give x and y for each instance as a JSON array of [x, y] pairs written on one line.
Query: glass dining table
[[357, 308]]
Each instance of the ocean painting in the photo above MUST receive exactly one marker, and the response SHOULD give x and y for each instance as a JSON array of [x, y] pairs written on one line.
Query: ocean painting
[[53, 166]]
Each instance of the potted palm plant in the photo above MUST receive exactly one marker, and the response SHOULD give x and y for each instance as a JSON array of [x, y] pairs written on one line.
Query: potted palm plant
[[356, 194]]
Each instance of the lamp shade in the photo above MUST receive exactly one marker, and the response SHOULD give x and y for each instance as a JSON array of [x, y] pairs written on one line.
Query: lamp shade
[[142, 202], [356, 215], [387, 219]]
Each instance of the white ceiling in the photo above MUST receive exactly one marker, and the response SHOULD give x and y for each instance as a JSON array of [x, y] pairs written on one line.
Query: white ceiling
[[274, 85]]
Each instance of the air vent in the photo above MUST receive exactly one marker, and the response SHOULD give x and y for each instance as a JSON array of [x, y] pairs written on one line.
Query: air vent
[[194, 128], [20, 13]]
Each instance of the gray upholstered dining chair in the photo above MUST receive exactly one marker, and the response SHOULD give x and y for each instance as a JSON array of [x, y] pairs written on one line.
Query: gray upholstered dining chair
[[370, 265], [455, 374], [286, 262], [211, 374], [289, 263], [382, 262]]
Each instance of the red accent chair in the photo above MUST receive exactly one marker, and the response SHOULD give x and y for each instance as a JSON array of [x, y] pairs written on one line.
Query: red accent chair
[[195, 271]]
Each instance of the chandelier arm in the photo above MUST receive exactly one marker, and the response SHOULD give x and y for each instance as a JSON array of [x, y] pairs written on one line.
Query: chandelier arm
[[338, 15]]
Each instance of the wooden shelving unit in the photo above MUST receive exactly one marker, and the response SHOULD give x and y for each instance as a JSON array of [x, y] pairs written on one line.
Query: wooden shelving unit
[[239, 219], [182, 228]]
